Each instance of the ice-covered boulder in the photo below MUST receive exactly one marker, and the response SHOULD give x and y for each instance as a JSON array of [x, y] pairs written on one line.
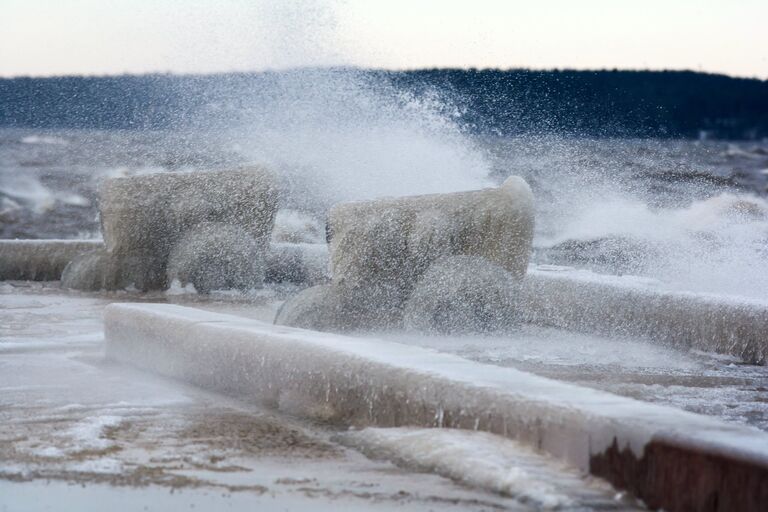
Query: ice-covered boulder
[[145, 217], [101, 270], [380, 249], [462, 294]]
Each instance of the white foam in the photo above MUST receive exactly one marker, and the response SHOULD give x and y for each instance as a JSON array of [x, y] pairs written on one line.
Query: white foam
[[342, 135], [712, 245], [292, 226]]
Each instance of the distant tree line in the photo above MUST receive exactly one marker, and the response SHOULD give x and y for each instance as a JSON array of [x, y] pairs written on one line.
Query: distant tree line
[[504, 102]]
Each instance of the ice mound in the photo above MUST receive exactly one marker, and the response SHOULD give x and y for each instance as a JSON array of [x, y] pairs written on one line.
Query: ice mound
[[381, 248], [147, 219]]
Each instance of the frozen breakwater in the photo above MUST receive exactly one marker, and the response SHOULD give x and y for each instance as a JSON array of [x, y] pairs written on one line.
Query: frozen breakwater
[[651, 450], [380, 249], [560, 297], [210, 229], [629, 306]]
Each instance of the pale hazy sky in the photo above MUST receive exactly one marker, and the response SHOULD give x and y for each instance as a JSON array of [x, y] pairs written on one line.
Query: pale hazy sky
[[55, 37]]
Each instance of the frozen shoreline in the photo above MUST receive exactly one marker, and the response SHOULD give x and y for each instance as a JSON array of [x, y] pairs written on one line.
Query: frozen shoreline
[[130, 437], [54, 329]]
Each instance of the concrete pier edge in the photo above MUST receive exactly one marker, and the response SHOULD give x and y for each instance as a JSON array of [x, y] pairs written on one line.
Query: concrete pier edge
[[670, 458]]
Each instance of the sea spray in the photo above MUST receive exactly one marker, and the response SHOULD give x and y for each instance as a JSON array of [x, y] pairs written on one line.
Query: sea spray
[[678, 211], [344, 134]]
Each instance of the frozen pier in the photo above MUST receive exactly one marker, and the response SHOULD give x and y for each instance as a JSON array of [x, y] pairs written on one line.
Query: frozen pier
[[87, 434], [648, 449]]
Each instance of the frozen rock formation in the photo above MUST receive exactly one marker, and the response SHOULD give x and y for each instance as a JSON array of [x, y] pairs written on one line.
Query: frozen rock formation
[[380, 249], [145, 217], [462, 294]]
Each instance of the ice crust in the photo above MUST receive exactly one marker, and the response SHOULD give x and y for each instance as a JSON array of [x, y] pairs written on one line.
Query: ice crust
[[371, 382], [487, 461], [628, 305], [379, 249], [145, 218]]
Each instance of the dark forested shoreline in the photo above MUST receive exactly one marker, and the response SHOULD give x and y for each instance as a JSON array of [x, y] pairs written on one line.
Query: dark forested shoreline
[[505, 102]]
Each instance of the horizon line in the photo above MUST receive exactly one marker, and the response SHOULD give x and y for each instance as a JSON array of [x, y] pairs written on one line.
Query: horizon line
[[375, 69]]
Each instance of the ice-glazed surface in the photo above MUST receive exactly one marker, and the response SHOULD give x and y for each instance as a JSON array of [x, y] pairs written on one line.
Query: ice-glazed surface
[[63, 427], [701, 382], [130, 440], [377, 382], [484, 460], [584, 301]]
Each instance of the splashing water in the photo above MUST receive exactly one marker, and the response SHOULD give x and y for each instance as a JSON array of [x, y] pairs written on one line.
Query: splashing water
[[338, 133], [682, 212], [673, 210], [353, 137]]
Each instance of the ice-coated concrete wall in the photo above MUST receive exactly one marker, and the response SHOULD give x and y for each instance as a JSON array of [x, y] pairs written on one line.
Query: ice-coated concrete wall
[[616, 306], [144, 218], [397, 239], [40, 260], [366, 382], [379, 249]]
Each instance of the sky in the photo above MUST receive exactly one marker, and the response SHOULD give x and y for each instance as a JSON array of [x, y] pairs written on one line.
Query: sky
[[97, 37]]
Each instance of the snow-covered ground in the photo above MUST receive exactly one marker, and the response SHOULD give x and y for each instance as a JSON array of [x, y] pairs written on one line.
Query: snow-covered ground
[[130, 440]]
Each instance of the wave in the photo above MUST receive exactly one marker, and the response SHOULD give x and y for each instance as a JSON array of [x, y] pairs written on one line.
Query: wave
[[718, 244], [33, 195]]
